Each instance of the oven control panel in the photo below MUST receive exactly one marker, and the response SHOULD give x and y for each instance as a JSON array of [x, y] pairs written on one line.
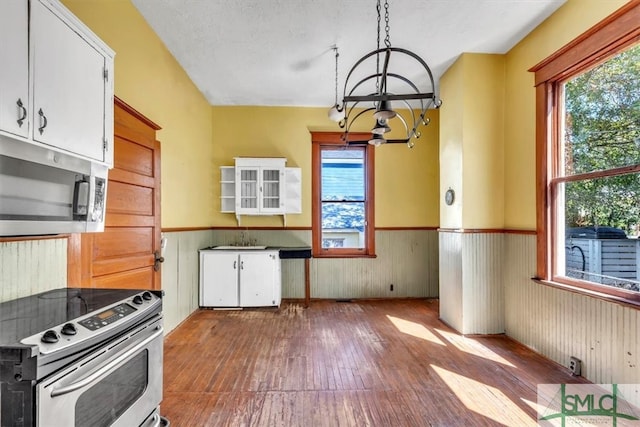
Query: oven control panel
[[107, 317]]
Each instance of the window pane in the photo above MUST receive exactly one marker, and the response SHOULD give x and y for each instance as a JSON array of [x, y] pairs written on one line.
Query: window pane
[[602, 115], [602, 221], [343, 175], [343, 225], [343, 196]]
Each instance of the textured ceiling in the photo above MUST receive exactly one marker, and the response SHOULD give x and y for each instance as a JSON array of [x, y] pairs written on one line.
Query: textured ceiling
[[278, 52]]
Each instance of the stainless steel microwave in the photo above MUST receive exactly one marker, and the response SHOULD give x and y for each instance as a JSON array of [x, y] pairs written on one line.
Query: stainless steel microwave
[[44, 191]]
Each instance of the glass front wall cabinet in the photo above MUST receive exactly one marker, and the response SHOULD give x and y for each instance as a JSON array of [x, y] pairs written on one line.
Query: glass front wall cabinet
[[260, 186]]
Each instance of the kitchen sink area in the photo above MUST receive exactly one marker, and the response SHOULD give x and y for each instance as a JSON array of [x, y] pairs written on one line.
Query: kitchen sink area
[[238, 248], [240, 272]]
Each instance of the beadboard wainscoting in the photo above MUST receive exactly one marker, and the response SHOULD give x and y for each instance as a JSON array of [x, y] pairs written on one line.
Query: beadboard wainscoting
[[29, 267], [471, 291], [450, 245], [181, 274], [406, 259], [604, 335]]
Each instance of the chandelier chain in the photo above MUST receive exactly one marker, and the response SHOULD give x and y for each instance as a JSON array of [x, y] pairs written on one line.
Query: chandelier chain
[[358, 101], [378, 9], [387, 41], [337, 54]]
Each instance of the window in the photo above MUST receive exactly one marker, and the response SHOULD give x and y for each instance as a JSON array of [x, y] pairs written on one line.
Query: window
[[342, 197], [588, 159]]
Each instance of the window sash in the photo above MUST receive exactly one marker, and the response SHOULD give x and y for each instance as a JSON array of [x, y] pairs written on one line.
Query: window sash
[[333, 140], [615, 33]]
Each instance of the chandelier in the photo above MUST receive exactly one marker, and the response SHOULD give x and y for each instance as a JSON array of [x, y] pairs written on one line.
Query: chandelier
[[377, 92]]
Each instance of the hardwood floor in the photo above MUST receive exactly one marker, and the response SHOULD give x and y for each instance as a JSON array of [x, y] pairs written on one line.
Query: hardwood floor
[[361, 363]]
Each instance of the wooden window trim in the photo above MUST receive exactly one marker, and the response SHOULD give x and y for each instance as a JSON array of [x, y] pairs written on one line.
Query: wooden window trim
[[612, 35], [318, 140]]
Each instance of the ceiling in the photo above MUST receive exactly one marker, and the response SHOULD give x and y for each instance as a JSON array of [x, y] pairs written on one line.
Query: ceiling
[[278, 52]]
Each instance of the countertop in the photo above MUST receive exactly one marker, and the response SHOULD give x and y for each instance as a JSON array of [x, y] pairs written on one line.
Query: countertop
[[285, 252]]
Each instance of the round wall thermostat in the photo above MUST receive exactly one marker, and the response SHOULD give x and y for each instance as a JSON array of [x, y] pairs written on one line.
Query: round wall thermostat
[[449, 196]]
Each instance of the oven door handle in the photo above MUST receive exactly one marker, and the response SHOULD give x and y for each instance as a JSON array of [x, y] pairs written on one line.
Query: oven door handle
[[95, 376]]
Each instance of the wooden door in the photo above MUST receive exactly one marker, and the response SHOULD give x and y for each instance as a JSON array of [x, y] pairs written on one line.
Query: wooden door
[[123, 256]]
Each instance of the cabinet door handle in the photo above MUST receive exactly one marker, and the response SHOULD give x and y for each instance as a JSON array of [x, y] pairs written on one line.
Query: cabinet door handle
[[22, 113], [241, 265], [234, 264], [43, 121]]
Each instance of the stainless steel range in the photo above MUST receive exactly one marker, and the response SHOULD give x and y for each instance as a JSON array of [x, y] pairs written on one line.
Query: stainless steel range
[[82, 357]]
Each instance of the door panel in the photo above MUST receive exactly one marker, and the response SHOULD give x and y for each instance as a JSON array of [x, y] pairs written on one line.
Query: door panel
[[134, 158], [256, 287], [14, 50], [126, 198], [132, 262], [109, 245], [132, 279], [59, 90], [219, 280], [123, 255]]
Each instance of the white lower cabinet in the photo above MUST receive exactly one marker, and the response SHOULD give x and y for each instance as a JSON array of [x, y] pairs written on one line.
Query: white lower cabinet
[[243, 278], [219, 279]]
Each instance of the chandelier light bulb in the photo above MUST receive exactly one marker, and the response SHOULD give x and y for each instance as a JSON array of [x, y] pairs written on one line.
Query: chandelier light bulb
[[377, 141], [381, 127], [384, 111], [335, 114]]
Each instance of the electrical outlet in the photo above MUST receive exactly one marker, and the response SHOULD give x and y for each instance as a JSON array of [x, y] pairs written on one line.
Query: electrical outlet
[[575, 366], [391, 287]]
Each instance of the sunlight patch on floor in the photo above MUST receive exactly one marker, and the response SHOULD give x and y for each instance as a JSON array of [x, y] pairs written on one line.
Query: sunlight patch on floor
[[483, 399], [471, 346], [534, 405], [415, 329]]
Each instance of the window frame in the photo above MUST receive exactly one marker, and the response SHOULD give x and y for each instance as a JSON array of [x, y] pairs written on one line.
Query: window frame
[[320, 140], [607, 38]]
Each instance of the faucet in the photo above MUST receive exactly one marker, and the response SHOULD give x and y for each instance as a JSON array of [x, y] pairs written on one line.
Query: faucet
[[244, 241]]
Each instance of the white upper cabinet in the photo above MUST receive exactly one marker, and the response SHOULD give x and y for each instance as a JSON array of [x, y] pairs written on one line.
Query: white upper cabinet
[[260, 186], [293, 190], [72, 84], [14, 71]]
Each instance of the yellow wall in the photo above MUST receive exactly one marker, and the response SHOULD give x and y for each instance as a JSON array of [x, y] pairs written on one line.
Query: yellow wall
[[195, 141], [197, 138], [406, 179], [571, 20], [483, 158], [472, 142], [149, 79], [451, 137], [488, 124]]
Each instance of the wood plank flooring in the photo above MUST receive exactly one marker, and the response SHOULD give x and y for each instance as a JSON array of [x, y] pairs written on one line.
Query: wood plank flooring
[[361, 363]]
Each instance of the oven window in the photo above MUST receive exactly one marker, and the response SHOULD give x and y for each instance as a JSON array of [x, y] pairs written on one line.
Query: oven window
[[102, 404]]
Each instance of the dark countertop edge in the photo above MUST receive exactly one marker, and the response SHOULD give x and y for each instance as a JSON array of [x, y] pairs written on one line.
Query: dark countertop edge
[[286, 252]]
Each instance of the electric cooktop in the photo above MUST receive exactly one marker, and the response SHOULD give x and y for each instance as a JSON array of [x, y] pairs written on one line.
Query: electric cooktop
[[30, 315]]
